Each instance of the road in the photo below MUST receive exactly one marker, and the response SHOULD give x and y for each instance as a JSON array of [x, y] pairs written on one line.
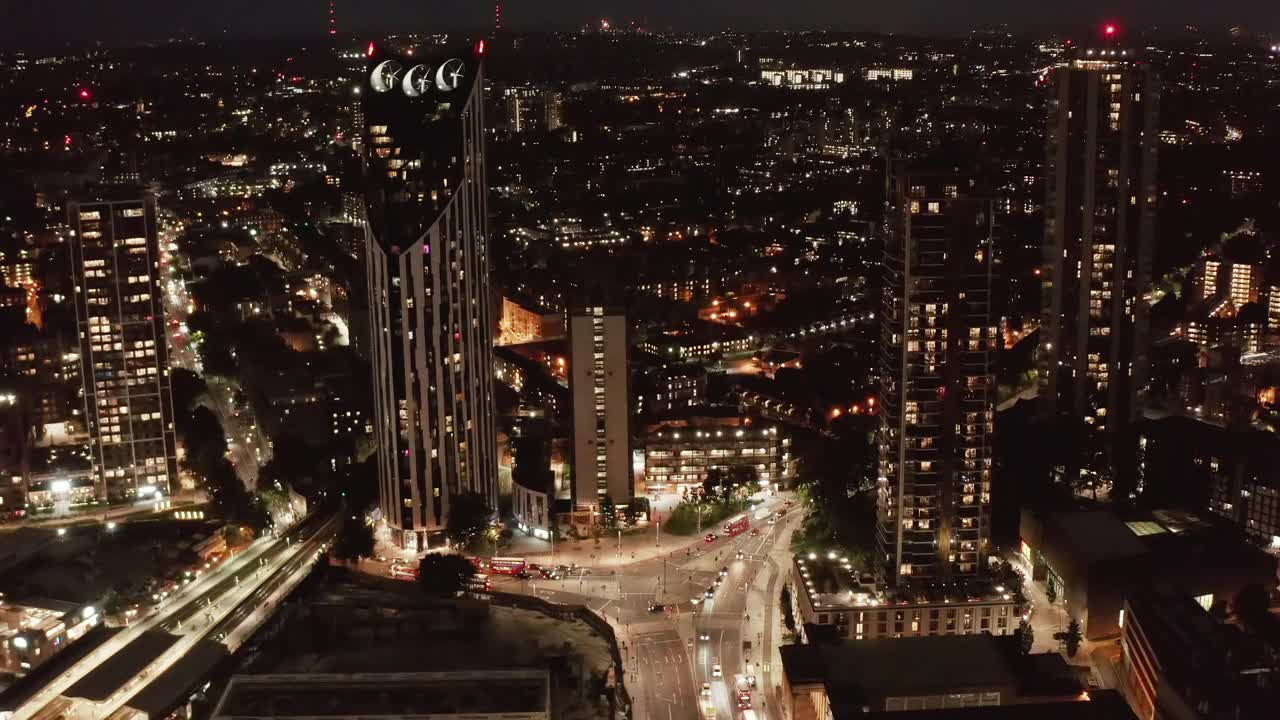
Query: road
[[245, 440], [666, 659], [127, 659]]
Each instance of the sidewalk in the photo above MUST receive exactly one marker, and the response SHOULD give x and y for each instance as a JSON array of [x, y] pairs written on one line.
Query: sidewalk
[[762, 605]]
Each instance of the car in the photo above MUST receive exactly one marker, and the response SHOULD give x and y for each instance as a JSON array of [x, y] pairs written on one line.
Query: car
[[524, 575], [772, 520], [715, 671], [550, 573], [709, 593], [656, 608], [751, 680], [755, 532], [711, 537], [380, 558], [724, 571], [689, 643], [739, 555], [706, 689], [704, 636], [744, 701]]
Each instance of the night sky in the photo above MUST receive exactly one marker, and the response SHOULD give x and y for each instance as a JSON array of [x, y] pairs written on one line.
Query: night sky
[[36, 23]]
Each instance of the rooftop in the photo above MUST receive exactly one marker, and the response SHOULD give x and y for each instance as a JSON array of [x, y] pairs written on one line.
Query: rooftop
[[859, 672], [1102, 705], [830, 583], [514, 693], [1097, 535]]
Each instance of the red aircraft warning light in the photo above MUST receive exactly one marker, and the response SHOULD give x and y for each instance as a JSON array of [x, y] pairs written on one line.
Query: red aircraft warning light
[[369, 50], [1109, 30], [85, 94]]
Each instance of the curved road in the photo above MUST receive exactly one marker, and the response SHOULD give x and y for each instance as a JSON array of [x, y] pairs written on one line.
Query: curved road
[[666, 659]]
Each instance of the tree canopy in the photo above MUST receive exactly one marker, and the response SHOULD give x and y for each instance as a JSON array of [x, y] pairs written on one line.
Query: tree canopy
[[445, 573], [468, 518], [355, 539]]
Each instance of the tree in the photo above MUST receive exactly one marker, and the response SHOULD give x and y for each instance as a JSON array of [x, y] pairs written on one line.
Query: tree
[[629, 514], [204, 441], [215, 356], [608, 513], [1072, 638], [230, 499], [788, 620], [445, 574], [714, 482], [1251, 606], [1051, 591], [293, 462], [744, 477], [468, 518], [358, 484], [1026, 637], [188, 388], [1010, 577], [355, 539]]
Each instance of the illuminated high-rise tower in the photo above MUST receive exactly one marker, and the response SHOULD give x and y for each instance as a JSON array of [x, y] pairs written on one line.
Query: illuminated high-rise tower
[[115, 260], [938, 342], [1100, 210], [599, 383], [428, 271]]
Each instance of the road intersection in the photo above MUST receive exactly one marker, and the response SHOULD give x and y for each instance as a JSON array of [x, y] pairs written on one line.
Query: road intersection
[[670, 653]]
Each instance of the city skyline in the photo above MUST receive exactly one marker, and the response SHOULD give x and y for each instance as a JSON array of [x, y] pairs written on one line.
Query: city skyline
[[27, 26], [639, 375]]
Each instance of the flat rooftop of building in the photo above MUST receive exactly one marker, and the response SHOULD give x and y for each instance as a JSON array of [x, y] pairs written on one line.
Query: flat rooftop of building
[[831, 585], [172, 687], [21, 691], [886, 667], [1096, 535], [1102, 705], [709, 418], [104, 680], [511, 693]]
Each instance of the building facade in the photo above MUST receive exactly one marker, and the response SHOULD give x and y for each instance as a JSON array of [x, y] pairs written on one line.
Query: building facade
[[426, 241], [124, 358], [679, 453], [600, 387], [1100, 205], [15, 451], [1241, 283], [671, 387], [937, 389], [1177, 661]]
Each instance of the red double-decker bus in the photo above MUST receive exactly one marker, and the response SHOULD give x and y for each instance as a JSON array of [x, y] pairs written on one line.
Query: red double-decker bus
[[737, 526], [507, 565]]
